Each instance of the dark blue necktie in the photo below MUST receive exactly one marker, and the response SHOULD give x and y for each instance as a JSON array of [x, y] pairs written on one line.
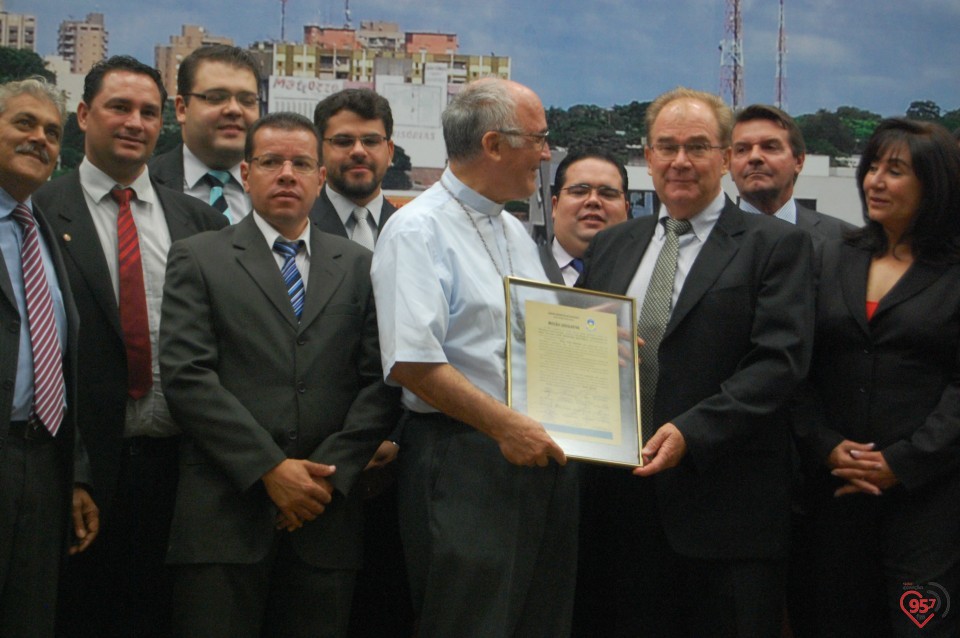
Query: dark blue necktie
[[290, 273]]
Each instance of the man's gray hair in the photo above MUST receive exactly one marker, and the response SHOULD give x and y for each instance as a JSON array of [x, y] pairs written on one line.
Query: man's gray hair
[[39, 88], [483, 105]]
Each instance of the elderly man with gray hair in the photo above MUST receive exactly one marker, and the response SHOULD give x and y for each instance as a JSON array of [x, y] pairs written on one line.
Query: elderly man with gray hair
[[488, 510]]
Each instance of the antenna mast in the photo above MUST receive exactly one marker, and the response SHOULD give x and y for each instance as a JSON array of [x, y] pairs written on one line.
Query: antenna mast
[[731, 55], [780, 98]]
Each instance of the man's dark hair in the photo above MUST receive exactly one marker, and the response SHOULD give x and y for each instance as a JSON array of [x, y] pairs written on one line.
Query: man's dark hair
[[590, 153], [229, 55], [934, 231], [366, 103], [778, 117], [94, 80], [283, 120]]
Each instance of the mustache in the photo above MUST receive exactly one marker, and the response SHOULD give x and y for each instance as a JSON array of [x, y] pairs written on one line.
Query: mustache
[[35, 149]]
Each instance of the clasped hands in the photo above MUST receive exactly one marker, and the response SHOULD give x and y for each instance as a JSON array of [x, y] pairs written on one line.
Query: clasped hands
[[864, 469], [300, 489]]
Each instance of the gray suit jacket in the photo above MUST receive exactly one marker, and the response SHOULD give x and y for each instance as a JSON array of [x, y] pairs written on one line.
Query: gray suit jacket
[[102, 358], [325, 217], [821, 227], [250, 386], [167, 168]]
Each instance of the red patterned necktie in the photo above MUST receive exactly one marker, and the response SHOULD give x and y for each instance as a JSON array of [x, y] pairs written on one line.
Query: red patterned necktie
[[133, 299], [47, 357]]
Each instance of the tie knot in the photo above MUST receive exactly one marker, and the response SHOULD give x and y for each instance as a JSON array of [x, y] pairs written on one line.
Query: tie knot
[[122, 195], [287, 248], [577, 264], [677, 226], [360, 213], [218, 178], [23, 216]]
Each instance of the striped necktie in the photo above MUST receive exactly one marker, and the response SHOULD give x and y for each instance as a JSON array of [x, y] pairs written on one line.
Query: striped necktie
[[290, 273], [133, 298], [654, 315], [218, 199], [47, 358]]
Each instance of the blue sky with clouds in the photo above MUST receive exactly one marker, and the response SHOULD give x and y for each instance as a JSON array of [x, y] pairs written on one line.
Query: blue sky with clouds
[[875, 55]]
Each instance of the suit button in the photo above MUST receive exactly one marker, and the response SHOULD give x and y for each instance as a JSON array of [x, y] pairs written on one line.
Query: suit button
[[863, 390], [301, 387], [301, 341], [292, 435]]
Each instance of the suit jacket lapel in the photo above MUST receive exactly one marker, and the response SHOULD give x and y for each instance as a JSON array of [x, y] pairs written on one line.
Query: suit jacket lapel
[[917, 278], [853, 283], [722, 244], [623, 269], [178, 221], [325, 277], [255, 257], [82, 243]]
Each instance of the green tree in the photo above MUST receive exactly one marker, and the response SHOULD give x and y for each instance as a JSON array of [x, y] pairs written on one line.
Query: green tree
[[170, 134], [924, 110], [71, 148], [16, 64], [398, 176], [825, 134], [860, 123]]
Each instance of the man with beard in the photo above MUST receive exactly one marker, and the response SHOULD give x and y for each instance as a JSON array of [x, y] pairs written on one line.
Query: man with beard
[[356, 125], [217, 101]]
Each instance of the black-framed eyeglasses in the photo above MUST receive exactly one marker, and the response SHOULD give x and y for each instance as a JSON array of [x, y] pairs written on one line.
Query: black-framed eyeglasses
[[272, 163], [695, 150], [582, 191], [344, 142], [540, 138], [219, 97]]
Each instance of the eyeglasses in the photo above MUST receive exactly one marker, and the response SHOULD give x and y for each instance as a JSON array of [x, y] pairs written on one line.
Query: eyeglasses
[[219, 97], [273, 163], [540, 138], [582, 191], [694, 150], [346, 142]]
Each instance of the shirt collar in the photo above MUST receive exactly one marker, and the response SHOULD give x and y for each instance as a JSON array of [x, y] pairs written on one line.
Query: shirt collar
[[468, 196], [560, 254], [703, 222], [8, 203], [344, 206], [787, 212], [194, 170], [98, 184], [271, 234]]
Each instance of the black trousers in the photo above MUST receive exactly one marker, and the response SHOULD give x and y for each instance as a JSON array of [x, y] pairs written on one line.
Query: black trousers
[[32, 524], [121, 586]]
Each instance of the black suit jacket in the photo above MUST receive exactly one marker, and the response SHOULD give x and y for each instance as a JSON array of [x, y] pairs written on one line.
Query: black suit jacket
[[893, 380], [821, 227], [67, 439], [251, 387], [324, 215], [554, 274], [737, 344], [102, 359], [166, 169]]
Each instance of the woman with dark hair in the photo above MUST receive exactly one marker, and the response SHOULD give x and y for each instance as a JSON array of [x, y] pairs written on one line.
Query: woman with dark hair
[[880, 427]]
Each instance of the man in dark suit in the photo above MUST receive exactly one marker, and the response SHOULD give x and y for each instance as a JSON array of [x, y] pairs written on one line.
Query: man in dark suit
[[270, 360], [726, 312], [355, 126], [767, 156], [115, 225], [38, 357], [589, 194], [217, 100]]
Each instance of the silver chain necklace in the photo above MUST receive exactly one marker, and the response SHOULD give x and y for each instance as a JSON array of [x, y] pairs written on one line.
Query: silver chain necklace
[[521, 325]]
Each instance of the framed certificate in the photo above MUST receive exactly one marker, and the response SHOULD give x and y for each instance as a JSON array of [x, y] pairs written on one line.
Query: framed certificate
[[572, 365]]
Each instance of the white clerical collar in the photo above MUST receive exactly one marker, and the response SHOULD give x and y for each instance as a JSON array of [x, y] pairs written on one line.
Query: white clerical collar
[[468, 196]]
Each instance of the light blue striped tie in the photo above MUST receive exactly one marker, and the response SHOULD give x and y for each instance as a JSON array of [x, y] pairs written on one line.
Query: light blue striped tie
[[218, 199], [290, 273]]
